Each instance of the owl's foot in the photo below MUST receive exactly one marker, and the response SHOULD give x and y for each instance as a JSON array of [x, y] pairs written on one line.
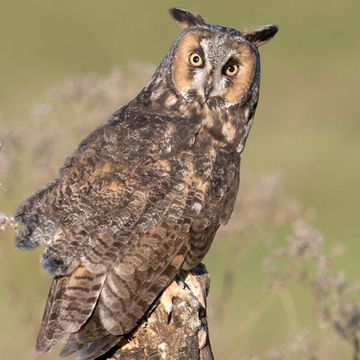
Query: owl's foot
[[191, 289], [197, 288], [184, 290]]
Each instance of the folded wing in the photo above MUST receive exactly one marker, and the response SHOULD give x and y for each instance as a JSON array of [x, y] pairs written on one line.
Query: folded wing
[[116, 227]]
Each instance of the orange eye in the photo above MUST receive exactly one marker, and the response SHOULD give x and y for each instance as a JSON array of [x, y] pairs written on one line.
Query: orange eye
[[231, 70], [196, 60]]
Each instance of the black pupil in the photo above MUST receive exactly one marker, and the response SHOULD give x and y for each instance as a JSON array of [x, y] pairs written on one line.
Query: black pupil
[[231, 68], [196, 59]]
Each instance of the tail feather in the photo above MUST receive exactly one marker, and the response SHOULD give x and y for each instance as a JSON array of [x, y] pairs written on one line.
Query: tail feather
[[94, 338], [70, 303], [90, 350], [91, 341], [49, 333], [97, 348]]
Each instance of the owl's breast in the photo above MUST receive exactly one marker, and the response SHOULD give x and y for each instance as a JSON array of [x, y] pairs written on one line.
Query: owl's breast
[[216, 182]]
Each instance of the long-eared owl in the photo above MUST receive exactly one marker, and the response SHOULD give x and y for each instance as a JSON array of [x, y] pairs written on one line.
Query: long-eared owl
[[144, 194]]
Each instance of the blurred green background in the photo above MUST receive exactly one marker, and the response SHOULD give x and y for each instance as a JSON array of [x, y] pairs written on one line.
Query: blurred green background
[[307, 130]]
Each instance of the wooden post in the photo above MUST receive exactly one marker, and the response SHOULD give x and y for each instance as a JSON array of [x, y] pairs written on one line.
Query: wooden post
[[181, 336]]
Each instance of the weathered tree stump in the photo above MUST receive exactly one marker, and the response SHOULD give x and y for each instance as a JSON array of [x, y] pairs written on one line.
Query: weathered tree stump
[[182, 335]]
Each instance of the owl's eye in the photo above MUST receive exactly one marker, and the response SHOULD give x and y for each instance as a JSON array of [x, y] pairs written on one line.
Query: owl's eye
[[196, 60], [231, 70]]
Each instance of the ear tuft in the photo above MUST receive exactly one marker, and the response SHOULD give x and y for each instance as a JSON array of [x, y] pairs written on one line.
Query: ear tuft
[[261, 35], [186, 18]]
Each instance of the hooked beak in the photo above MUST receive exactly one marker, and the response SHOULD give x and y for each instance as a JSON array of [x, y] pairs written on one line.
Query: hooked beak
[[208, 89]]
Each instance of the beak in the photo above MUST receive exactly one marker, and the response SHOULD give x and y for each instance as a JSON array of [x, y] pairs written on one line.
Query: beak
[[208, 89]]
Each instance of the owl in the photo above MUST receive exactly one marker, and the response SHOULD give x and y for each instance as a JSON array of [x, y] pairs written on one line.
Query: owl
[[143, 195]]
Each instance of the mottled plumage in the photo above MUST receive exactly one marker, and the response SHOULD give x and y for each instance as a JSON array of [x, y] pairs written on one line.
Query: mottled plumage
[[143, 195]]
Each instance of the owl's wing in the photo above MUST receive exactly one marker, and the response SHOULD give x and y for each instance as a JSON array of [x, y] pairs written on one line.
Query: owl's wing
[[120, 310], [116, 225], [117, 165]]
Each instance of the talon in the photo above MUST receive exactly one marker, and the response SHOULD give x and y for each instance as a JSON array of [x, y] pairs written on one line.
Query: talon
[[196, 288], [166, 302], [181, 283], [177, 289], [202, 337]]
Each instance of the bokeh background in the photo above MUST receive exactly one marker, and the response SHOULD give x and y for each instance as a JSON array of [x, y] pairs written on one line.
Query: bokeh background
[[66, 66]]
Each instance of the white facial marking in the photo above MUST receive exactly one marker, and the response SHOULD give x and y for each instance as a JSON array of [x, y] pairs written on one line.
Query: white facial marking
[[201, 74], [198, 80], [205, 45]]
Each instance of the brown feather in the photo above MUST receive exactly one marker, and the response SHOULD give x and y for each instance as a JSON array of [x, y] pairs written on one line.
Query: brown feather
[[70, 303], [49, 333]]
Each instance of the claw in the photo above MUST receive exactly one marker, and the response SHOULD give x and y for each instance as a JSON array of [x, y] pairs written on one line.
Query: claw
[[202, 337], [197, 288], [177, 289]]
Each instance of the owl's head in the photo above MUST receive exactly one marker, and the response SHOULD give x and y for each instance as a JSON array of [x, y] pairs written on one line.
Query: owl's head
[[214, 64]]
